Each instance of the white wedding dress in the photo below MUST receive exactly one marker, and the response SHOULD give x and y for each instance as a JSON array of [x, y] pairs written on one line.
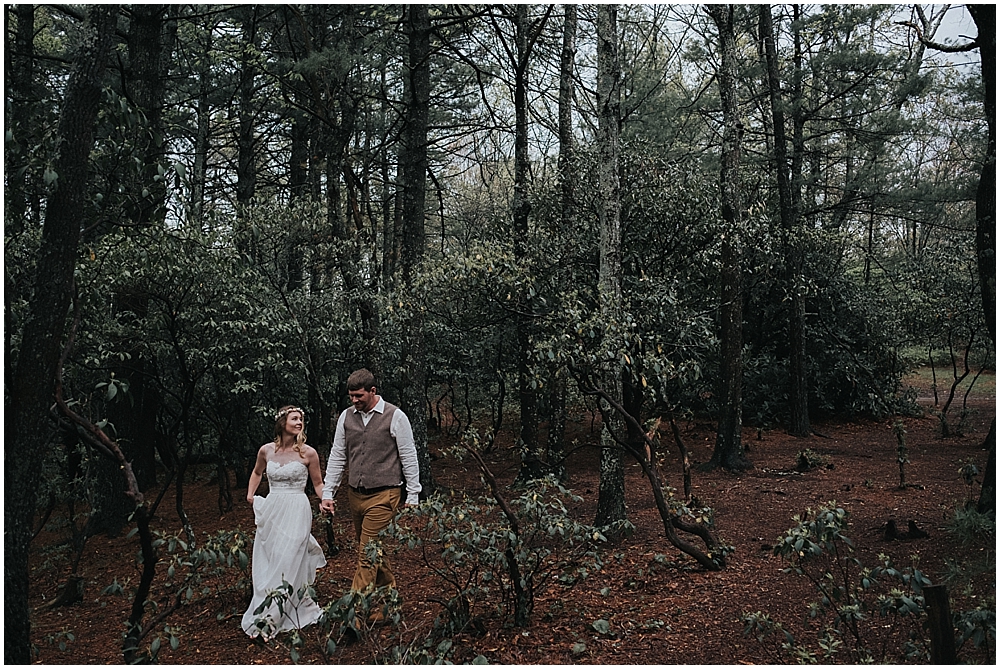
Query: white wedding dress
[[284, 549]]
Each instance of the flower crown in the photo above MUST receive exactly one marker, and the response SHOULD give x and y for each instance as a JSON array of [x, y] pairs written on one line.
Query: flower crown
[[284, 412]]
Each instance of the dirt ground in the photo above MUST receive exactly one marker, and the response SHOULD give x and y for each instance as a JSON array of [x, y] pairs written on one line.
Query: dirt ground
[[661, 607]]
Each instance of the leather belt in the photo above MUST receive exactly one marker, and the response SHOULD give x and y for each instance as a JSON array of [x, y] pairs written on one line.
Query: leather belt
[[372, 491]]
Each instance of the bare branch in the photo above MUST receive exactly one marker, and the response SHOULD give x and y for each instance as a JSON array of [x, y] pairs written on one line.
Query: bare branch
[[945, 48]]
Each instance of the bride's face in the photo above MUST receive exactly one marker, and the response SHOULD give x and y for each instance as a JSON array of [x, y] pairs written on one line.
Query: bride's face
[[293, 424]]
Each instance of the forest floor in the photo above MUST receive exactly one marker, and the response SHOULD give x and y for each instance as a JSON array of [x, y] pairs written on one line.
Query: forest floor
[[661, 607]]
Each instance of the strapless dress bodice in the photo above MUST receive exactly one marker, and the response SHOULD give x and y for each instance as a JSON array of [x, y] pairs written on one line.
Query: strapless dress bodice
[[288, 477]]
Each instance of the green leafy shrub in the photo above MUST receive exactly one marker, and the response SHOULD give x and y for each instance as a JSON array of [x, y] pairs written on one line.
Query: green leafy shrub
[[216, 572], [283, 598], [980, 626], [851, 595], [353, 618], [475, 551], [227, 569], [966, 576]]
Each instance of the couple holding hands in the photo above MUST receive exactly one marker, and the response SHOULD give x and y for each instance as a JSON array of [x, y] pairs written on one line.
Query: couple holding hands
[[374, 441]]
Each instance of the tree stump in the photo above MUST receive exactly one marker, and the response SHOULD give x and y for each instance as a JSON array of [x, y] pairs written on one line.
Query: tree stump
[[940, 625]]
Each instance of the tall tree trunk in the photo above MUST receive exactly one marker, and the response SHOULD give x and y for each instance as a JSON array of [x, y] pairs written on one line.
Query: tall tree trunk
[[388, 197], [798, 390], [246, 160], [135, 419], [199, 170], [19, 69], [986, 195], [985, 17], [146, 73], [531, 462], [567, 179], [298, 177], [611, 499], [32, 392], [728, 451], [413, 166], [567, 143], [298, 159]]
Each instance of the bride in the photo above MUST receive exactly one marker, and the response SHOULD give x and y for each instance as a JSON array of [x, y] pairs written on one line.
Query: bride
[[284, 549]]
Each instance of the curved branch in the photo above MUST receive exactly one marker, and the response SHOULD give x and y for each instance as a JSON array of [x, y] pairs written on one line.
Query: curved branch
[[670, 521], [944, 48], [491, 481], [135, 631]]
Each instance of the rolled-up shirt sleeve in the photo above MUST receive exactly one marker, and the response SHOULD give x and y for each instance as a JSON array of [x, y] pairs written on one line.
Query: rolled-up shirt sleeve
[[338, 459], [403, 433]]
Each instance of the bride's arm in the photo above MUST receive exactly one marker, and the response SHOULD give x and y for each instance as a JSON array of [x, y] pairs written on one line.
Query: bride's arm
[[312, 462], [258, 473]]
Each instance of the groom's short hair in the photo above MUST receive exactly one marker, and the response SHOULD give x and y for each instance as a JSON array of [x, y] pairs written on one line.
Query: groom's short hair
[[360, 379]]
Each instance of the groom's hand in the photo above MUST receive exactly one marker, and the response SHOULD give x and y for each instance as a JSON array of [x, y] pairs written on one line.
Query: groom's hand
[[327, 506]]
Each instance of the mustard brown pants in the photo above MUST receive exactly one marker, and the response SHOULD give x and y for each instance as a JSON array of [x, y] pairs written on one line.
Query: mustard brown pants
[[371, 514]]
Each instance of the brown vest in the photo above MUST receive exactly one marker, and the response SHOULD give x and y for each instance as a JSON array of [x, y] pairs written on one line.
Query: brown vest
[[372, 455]]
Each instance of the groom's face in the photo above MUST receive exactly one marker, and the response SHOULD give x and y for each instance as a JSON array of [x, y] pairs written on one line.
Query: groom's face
[[363, 400]]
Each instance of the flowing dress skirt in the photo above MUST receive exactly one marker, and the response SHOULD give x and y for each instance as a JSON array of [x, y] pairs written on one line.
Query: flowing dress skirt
[[284, 550]]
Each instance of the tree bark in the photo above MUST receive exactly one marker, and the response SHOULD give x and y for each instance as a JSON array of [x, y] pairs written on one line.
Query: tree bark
[[528, 447], [413, 167], [798, 386], [246, 164], [567, 179], [567, 143], [32, 392], [728, 451], [135, 419], [988, 492], [19, 67], [985, 17], [939, 622], [986, 195], [202, 137], [611, 499]]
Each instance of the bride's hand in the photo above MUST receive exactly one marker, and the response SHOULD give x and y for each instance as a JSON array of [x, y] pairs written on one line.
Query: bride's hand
[[250, 499]]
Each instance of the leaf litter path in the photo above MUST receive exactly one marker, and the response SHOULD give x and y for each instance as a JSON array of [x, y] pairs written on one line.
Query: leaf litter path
[[659, 606]]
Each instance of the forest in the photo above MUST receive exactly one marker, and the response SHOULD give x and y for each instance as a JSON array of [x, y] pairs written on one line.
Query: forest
[[674, 297]]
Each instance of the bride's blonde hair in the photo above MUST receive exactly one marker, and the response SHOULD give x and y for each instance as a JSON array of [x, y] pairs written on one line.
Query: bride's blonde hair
[[279, 427]]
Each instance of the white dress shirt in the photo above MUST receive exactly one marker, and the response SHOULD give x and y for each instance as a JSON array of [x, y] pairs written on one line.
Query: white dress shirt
[[399, 428]]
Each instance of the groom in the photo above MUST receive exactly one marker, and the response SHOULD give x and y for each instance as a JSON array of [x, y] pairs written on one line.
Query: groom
[[375, 441]]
